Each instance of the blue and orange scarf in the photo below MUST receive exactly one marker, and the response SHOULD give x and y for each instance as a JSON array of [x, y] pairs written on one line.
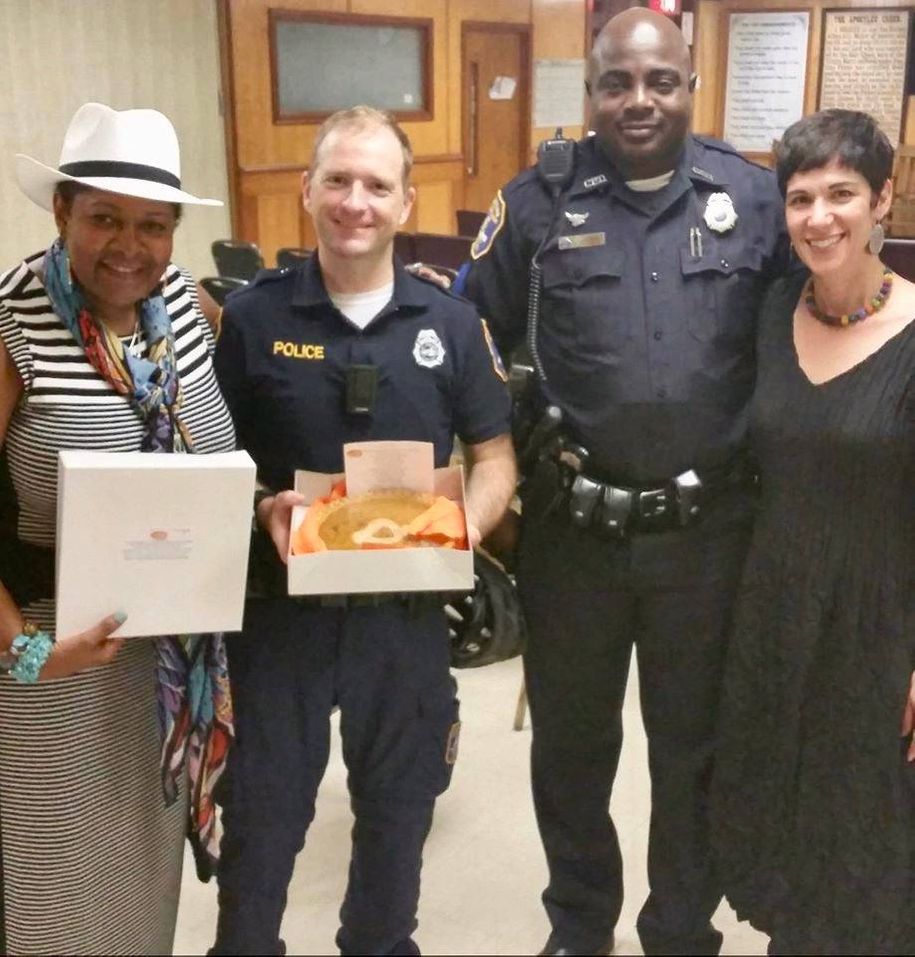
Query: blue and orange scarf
[[194, 700]]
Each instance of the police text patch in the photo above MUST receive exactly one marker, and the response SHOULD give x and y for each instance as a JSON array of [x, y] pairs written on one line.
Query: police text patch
[[298, 350], [495, 220]]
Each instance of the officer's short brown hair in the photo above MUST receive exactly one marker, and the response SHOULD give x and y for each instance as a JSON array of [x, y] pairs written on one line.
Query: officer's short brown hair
[[359, 119]]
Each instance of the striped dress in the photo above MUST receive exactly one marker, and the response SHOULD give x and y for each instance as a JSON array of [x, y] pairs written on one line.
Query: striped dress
[[90, 856]]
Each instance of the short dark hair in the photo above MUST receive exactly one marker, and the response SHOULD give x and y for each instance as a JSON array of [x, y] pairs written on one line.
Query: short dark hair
[[67, 189], [851, 138], [360, 119]]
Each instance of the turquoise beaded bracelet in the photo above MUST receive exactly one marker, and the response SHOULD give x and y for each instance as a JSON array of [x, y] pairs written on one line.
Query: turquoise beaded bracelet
[[31, 649]]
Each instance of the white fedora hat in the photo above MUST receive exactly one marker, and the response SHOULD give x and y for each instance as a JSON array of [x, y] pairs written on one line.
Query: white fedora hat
[[132, 152]]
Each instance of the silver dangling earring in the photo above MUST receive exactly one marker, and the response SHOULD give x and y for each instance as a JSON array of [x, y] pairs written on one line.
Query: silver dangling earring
[[876, 239]]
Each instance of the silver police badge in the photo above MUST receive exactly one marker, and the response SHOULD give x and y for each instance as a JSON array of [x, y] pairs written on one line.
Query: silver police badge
[[428, 350], [720, 215]]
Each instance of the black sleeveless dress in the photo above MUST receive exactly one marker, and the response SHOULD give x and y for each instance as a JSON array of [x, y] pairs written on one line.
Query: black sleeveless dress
[[813, 802]]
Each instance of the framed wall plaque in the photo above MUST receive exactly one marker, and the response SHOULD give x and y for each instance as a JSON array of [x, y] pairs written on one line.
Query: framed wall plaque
[[766, 76], [865, 63]]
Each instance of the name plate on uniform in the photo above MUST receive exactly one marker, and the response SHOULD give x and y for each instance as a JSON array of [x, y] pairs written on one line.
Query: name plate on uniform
[[162, 537], [582, 240]]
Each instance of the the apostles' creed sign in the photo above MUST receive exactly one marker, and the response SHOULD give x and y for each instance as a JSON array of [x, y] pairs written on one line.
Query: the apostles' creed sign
[[864, 64], [767, 69]]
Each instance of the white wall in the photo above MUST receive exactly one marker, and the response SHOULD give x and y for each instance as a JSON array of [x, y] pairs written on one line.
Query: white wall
[[58, 54]]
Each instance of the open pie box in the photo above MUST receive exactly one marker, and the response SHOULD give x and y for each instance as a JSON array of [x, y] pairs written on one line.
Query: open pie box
[[373, 466]]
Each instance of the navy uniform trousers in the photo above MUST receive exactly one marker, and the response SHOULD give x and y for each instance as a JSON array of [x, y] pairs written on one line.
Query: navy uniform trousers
[[587, 601], [387, 669]]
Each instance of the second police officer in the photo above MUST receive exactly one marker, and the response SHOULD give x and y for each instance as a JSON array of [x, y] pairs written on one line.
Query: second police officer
[[348, 347], [654, 247]]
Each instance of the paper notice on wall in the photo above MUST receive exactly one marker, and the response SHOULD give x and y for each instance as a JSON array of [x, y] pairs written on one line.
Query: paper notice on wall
[[559, 92], [503, 88]]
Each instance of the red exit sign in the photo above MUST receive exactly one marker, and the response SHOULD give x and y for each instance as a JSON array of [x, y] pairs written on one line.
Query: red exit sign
[[669, 7]]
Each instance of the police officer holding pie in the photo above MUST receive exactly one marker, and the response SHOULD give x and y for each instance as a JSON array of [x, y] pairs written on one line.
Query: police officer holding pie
[[348, 347], [643, 252]]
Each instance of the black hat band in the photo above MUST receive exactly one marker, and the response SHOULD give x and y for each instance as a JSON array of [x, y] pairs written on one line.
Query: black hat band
[[121, 171]]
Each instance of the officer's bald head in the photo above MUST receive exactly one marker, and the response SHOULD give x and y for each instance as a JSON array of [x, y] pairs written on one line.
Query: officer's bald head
[[641, 91], [638, 28]]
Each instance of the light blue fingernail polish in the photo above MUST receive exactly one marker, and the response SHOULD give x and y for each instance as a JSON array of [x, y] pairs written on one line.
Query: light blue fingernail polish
[[120, 616]]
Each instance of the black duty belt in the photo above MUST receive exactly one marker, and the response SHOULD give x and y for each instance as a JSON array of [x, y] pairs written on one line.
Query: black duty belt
[[620, 510]]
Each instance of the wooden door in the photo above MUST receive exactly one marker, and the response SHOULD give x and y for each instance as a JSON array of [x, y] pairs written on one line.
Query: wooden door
[[495, 56]]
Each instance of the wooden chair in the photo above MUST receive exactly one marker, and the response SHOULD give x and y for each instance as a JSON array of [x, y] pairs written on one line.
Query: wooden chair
[[220, 286], [288, 257], [469, 222], [236, 258], [901, 218], [404, 248], [435, 249]]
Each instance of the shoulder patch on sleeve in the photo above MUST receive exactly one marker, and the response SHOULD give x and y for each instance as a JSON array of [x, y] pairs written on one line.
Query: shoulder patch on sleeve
[[497, 365], [495, 220]]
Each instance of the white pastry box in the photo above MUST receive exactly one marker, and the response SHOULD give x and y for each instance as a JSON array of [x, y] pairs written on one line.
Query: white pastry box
[[372, 466], [164, 538]]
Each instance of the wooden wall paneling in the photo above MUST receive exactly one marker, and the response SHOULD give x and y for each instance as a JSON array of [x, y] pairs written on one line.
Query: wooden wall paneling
[[558, 33], [908, 129], [438, 182], [434, 207], [706, 105], [227, 104], [260, 142], [429, 137], [278, 221], [272, 214]]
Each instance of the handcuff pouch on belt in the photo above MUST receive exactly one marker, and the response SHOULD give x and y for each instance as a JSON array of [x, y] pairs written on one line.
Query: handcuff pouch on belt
[[560, 484], [555, 478], [613, 509]]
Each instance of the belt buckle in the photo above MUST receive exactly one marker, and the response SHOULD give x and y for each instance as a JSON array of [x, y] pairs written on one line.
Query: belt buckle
[[652, 505]]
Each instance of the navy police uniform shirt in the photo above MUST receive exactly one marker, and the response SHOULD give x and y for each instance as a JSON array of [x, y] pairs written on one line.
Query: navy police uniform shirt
[[282, 358], [649, 302]]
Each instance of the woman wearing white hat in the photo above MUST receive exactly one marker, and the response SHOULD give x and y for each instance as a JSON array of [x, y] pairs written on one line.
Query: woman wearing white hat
[[102, 346]]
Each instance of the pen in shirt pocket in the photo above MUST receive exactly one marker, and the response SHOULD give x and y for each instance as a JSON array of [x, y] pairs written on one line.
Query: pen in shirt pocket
[[695, 242]]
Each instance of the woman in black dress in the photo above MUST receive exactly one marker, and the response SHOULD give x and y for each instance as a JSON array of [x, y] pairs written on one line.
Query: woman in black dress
[[814, 794]]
